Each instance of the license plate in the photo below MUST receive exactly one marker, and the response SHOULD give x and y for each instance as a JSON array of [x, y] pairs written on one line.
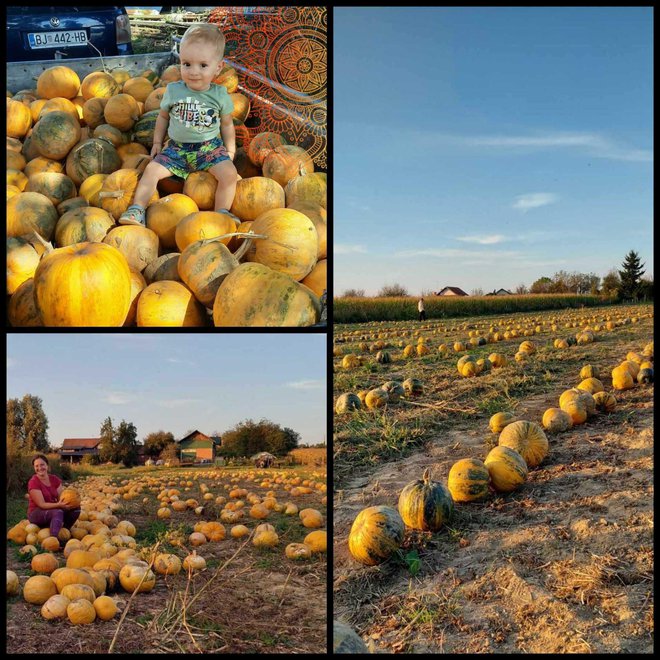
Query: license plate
[[60, 38]]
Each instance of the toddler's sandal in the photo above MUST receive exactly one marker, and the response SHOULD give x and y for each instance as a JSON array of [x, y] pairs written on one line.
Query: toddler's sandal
[[133, 215]]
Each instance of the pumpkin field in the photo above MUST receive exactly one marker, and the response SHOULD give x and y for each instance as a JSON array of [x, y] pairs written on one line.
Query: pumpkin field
[[168, 560], [493, 483]]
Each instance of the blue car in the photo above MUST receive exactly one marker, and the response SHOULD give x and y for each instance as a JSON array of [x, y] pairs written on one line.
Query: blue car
[[61, 33]]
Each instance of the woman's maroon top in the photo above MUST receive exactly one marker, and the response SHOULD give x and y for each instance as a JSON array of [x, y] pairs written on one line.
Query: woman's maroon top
[[49, 492]]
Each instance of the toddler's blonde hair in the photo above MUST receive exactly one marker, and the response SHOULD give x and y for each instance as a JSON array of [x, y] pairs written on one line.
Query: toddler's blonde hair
[[208, 33]]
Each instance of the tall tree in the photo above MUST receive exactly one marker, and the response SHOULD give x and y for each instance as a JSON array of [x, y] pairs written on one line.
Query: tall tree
[[126, 444], [35, 424], [107, 435], [154, 443], [393, 291], [542, 285], [611, 284], [630, 275], [15, 427]]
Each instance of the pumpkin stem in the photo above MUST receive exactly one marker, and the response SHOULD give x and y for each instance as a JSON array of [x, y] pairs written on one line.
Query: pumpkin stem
[[427, 475], [47, 246], [111, 193], [236, 233]]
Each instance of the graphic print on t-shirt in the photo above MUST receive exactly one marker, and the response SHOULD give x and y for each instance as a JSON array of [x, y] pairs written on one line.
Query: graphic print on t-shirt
[[195, 115]]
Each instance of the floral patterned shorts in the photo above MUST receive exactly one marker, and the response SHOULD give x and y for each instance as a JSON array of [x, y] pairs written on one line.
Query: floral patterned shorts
[[184, 158]]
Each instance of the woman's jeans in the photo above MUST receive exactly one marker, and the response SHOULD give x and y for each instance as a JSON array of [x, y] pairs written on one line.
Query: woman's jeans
[[55, 518]]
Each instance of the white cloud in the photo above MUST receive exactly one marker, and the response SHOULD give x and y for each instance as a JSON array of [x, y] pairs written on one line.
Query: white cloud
[[343, 248], [482, 240], [534, 200], [117, 398], [454, 253], [306, 385]]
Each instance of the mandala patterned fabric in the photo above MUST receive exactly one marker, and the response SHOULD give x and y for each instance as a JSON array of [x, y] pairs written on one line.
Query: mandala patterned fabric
[[280, 55]]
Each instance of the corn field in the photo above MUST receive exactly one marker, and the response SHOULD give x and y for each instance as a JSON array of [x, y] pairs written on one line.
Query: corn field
[[362, 310]]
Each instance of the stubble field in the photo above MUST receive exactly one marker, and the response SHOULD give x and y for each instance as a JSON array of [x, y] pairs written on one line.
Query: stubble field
[[564, 563]]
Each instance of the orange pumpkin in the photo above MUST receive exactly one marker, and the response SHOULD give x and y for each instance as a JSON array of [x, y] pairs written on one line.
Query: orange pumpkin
[[152, 102], [87, 284], [228, 78], [58, 81], [139, 88], [93, 112], [261, 145], [286, 162], [59, 104], [41, 164], [307, 188], [122, 111], [201, 188], [200, 225], [241, 106], [317, 280], [319, 216], [255, 196], [164, 215], [118, 190]]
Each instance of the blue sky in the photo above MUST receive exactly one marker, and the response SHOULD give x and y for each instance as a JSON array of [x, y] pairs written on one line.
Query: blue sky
[[487, 147], [171, 382]]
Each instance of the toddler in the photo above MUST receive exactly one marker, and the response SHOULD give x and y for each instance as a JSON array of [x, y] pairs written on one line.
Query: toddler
[[197, 116]]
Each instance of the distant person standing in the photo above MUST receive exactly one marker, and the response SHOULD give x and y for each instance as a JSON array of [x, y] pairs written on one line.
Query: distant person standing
[[420, 309]]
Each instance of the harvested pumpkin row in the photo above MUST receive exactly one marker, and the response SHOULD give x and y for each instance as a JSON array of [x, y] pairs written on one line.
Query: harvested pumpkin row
[[76, 151]]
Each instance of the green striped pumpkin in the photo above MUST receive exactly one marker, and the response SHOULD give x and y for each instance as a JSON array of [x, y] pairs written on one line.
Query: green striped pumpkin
[[507, 469], [376, 534], [468, 480], [426, 504], [528, 439], [143, 131]]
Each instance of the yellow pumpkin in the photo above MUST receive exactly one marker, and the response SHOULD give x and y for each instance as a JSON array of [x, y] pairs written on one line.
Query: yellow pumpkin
[[105, 607], [556, 420], [131, 575], [76, 591], [255, 295], [317, 541], [139, 88], [38, 589], [317, 279], [83, 224], [55, 134], [118, 190], [139, 245], [28, 212], [81, 611], [164, 215], [87, 284], [45, 562], [292, 244], [256, 195], [98, 84], [528, 439], [200, 225], [55, 607], [169, 303], [19, 119]]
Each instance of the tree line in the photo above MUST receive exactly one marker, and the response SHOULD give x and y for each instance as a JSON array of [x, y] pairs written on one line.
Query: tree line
[[626, 284], [27, 433]]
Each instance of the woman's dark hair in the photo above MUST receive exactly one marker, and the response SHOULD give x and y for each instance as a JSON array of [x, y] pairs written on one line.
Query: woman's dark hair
[[42, 457]]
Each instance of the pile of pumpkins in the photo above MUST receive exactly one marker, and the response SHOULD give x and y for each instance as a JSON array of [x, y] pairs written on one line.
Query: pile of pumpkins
[[75, 153]]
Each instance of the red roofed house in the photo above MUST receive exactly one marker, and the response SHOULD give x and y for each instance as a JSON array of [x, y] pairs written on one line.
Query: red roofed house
[[451, 291], [76, 448]]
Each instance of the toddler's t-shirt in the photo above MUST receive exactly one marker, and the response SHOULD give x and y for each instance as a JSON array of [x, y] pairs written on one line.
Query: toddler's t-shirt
[[195, 116]]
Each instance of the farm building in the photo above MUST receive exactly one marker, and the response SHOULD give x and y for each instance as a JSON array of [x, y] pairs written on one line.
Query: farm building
[[197, 446], [500, 292], [451, 291], [75, 448]]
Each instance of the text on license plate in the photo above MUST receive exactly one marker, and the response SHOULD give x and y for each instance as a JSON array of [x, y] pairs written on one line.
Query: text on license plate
[[61, 38]]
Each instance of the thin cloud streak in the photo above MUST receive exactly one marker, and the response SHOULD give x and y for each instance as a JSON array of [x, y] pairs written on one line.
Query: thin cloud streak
[[306, 385], [343, 248], [483, 240], [534, 200], [117, 398], [593, 144]]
